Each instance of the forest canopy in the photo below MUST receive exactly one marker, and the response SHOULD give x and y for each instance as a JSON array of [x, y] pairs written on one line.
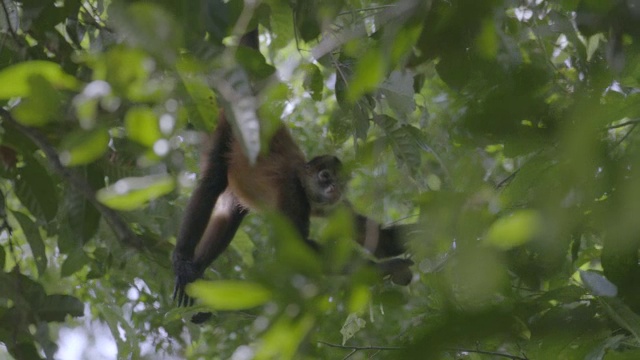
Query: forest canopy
[[503, 129]]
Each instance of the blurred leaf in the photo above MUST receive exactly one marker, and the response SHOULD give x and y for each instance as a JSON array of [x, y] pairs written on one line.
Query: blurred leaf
[[622, 315], [82, 216], [398, 91], [200, 100], [487, 40], [597, 284], [254, 63], [306, 20], [128, 72], [132, 193], [352, 325], [244, 246], [22, 75], [359, 299], [74, 262], [283, 338], [142, 126], [229, 294], [32, 234], [243, 114], [150, 27], [515, 229], [36, 190], [313, 81], [404, 147], [84, 147], [42, 104], [57, 307], [368, 74], [291, 251], [270, 112]]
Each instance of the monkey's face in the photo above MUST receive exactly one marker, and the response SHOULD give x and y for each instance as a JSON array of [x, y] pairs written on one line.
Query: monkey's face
[[324, 182]]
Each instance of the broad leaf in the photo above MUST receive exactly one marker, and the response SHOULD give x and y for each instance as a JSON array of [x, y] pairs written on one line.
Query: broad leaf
[[229, 295], [132, 193]]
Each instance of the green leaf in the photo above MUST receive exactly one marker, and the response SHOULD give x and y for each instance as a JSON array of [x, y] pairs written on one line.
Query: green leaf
[[368, 74], [622, 315], [243, 115], [57, 307], [127, 71], [84, 147], [229, 294], [20, 75], [487, 40], [515, 229], [150, 27], [313, 81], [405, 149], [283, 339], [36, 190], [593, 43], [359, 299], [243, 245], [254, 63], [82, 216], [41, 106], [142, 126], [398, 91], [74, 262], [132, 193], [291, 251], [32, 234], [199, 100]]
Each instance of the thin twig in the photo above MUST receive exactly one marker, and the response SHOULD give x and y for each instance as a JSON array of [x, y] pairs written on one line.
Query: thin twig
[[349, 347], [373, 8], [379, 348], [626, 135], [507, 179], [494, 353], [119, 226], [9, 23], [623, 124]]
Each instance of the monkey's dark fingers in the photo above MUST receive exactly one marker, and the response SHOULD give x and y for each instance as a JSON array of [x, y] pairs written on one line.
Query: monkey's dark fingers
[[175, 291], [180, 294], [201, 317], [398, 269]]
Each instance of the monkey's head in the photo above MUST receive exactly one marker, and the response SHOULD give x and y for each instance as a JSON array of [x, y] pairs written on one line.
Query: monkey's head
[[325, 182]]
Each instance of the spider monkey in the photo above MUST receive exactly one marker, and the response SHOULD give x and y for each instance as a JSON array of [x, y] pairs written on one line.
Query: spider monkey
[[280, 180]]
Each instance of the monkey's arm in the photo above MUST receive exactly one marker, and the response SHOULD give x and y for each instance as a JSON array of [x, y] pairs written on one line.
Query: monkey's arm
[[198, 212], [384, 242], [226, 218], [380, 241]]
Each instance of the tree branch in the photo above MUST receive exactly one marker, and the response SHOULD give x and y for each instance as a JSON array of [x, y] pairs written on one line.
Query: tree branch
[[494, 353], [379, 348], [119, 226], [623, 124], [395, 13], [357, 348]]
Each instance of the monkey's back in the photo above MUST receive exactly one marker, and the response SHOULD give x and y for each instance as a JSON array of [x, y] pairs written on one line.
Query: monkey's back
[[274, 176]]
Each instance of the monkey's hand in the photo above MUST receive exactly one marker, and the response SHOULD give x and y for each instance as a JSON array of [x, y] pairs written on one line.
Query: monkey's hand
[[186, 272], [398, 269]]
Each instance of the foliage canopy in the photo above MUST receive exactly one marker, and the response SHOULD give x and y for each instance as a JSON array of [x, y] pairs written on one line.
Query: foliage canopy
[[504, 129]]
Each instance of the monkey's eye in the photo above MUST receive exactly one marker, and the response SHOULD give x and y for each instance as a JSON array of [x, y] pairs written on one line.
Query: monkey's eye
[[324, 175]]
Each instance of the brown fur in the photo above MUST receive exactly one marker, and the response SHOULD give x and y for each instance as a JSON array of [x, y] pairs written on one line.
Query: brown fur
[[263, 185]]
